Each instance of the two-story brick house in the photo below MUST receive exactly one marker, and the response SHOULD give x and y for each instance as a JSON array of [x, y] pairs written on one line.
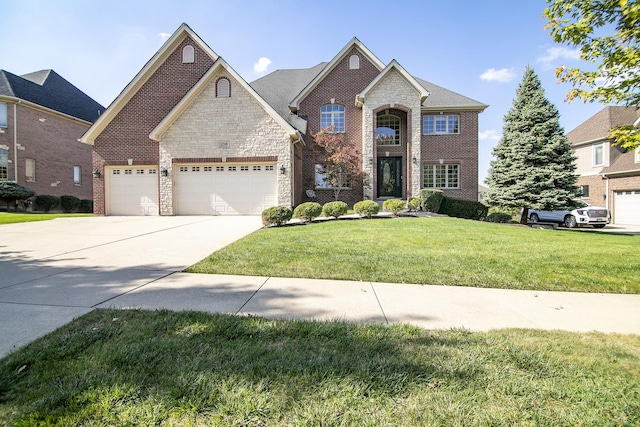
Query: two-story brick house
[[609, 175], [42, 116], [189, 136]]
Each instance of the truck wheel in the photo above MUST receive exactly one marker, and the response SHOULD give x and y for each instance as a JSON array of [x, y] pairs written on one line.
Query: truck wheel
[[570, 221], [534, 218]]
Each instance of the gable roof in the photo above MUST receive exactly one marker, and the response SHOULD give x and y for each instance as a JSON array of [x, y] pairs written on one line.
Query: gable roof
[[444, 99], [393, 65], [331, 65], [598, 126], [197, 89], [48, 89], [143, 75]]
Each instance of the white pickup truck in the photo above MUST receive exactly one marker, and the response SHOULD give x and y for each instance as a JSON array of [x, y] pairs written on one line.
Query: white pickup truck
[[588, 215]]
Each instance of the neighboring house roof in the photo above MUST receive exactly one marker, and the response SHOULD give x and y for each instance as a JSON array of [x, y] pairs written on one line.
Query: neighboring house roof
[[598, 126], [141, 78], [48, 89], [164, 125], [393, 65]]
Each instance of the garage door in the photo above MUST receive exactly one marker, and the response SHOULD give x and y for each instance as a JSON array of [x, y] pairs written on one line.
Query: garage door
[[239, 189], [627, 208], [133, 190]]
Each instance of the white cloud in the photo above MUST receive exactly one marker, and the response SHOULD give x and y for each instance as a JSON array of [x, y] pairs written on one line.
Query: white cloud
[[502, 75], [489, 134], [554, 53], [164, 36], [261, 66]]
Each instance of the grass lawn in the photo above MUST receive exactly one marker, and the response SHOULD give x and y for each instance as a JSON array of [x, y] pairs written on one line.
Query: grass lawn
[[116, 368], [439, 251], [15, 217]]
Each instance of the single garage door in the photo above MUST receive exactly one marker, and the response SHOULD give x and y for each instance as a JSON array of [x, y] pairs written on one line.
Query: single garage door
[[627, 208], [237, 189], [133, 190]]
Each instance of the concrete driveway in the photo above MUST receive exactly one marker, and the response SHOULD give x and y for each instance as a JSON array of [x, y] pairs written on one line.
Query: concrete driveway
[[54, 271]]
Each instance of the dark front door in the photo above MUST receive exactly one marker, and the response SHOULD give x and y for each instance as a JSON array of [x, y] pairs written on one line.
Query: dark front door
[[389, 176]]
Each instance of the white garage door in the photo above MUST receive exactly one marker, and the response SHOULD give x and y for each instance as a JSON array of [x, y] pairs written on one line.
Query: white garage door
[[239, 189], [627, 208], [133, 190]]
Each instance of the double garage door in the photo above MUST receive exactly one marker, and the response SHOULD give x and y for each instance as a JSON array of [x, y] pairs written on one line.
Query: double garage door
[[627, 208], [236, 189]]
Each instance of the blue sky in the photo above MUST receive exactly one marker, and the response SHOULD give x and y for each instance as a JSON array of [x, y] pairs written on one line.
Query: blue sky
[[477, 48]]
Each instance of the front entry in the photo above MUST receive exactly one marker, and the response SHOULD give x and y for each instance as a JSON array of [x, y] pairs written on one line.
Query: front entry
[[389, 176]]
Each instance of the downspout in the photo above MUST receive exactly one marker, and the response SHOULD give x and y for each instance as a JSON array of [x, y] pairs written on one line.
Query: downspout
[[15, 141], [606, 192]]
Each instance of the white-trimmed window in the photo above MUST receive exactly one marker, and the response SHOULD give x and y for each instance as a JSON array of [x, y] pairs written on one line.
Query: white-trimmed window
[[223, 88], [77, 175], [324, 179], [3, 115], [332, 115], [354, 62], [584, 189], [188, 54], [638, 155], [441, 176], [30, 170], [598, 155], [388, 130], [438, 124], [4, 164]]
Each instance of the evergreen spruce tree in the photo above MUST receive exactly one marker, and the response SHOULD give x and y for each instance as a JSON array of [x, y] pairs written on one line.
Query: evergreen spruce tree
[[534, 166]]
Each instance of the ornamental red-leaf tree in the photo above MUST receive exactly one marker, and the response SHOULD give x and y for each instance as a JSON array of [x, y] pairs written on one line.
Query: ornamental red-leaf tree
[[342, 161]]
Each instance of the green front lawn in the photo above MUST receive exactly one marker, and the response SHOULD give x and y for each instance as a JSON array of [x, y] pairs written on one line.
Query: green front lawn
[[117, 368], [15, 217], [438, 251]]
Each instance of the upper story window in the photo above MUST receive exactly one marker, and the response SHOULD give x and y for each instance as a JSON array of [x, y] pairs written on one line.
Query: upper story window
[[3, 115], [388, 130], [4, 164], [354, 62], [332, 115], [598, 155], [188, 54], [440, 124], [223, 88]]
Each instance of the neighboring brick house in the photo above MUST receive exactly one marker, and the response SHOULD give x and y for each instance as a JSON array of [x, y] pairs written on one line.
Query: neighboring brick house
[[189, 136], [609, 175], [42, 117]]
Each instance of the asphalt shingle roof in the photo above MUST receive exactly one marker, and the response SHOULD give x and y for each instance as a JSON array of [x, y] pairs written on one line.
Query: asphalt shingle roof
[[599, 125], [48, 89]]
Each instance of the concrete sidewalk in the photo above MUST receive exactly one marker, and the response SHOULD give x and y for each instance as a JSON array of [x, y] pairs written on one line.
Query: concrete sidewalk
[[426, 306]]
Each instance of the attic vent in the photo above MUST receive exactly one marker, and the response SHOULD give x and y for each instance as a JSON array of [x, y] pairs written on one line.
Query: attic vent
[[188, 54], [354, 62]]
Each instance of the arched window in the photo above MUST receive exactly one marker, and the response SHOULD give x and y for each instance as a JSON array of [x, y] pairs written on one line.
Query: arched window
[[223, 88], [388, 129], [332, 115], [354, 62], [188, 54]]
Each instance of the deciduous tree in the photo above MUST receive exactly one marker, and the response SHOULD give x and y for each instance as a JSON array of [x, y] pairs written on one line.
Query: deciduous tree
[[534, 166], [607, 32]]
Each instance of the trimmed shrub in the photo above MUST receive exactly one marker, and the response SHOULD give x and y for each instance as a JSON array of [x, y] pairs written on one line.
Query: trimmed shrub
[[86, 206], [459, 208], [45, 202], [307, 211], [11, 192], [276, 215], [431, 199], [335, 209], [366, 208], [69, 203], [414, 203], [499, 217], [393, 205]]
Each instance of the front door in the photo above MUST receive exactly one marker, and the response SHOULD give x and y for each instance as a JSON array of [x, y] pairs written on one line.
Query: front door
[[389, 176]]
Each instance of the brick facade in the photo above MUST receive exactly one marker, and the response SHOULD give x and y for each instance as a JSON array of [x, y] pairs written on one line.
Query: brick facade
[[52, 141], [127, 135]]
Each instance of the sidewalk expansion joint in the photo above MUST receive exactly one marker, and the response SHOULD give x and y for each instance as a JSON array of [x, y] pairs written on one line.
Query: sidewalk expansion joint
[[252, 295], [134, 289], [379, 303]]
